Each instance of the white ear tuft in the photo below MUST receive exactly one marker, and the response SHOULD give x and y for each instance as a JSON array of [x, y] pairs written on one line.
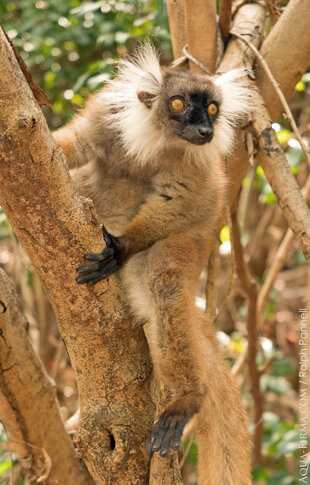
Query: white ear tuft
[[139, 80], [236, 105], [142, 70], [236, 94]]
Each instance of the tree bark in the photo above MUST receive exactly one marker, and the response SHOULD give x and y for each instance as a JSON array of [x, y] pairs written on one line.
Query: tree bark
[[177, 26], [56, 227], [287, 52], [296, 58], [200, 21], [28, 405], [225, 18], [277, 170]]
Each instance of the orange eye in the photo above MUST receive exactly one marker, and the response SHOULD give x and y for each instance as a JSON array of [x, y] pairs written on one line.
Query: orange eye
[[212, 109], [177, 104]]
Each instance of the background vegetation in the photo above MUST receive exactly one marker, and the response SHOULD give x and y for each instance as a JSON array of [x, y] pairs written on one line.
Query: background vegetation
[[70, 47]]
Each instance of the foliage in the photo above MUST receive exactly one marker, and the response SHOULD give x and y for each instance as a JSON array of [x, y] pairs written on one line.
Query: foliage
[[71, 45]]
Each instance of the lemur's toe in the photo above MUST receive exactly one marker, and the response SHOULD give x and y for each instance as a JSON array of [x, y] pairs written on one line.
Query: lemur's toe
[[166, 434]]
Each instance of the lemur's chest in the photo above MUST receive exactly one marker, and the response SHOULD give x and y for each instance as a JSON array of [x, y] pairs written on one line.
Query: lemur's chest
[[117, 202]]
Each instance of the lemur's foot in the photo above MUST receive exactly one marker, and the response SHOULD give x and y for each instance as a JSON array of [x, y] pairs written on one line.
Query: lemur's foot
[[167, 433], [105, 263]]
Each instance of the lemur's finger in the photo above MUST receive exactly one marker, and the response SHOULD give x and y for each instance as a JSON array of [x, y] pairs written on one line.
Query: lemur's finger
[[149, 445], [108, 270], [90, 268], [94, 276], [99, 256], [166, 443], [87, 277], [177, 435]]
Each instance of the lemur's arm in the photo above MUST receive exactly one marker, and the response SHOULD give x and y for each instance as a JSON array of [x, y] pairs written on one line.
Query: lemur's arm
[[170, 209]]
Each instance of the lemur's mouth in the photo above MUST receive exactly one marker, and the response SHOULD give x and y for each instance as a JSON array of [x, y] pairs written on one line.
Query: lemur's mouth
[[197, 139]]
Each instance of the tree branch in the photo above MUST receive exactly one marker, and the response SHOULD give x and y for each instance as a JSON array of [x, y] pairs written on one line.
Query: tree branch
[[277, 170], [287, 68], [225, 18], [177, 26], [200, 19], [279, 94], [248, 21], [287, 51], [29, 409]]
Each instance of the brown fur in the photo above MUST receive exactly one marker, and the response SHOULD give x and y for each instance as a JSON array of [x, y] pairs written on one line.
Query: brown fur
[[164, 215]]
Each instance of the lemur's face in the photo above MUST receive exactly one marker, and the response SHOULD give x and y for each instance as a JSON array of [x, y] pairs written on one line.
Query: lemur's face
[[188, 106]]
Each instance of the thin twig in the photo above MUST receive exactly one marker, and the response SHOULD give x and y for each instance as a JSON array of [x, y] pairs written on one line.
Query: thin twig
[[240, 361], [277, 264], [190, 57], [262, 370], [278, 91], [274, 12], [186, 452], [189, 429]]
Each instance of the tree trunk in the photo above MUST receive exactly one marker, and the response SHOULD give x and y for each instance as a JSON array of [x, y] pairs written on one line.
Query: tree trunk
[[28, 406]]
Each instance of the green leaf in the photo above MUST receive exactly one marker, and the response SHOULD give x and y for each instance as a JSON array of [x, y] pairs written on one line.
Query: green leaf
[[283, 135], [289, 443], [300, 86], [278, 385], [5, 466], [281, 478], [306, 78], [281, 367], [260, 172], [271, 420], [77, 99], [294, 156], [49, 79], [225, 234], [260, 474], [192, 455], [268, 198]]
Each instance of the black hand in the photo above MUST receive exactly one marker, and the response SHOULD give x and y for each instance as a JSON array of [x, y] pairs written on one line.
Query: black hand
[[105, 263], [167, 433]]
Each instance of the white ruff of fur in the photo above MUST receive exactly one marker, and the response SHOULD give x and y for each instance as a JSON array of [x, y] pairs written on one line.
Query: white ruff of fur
[[235, 107], [141, 139], [127, 114]]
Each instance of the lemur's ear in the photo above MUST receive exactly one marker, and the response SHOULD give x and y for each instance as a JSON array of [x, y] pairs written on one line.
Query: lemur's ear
[[146, 98]]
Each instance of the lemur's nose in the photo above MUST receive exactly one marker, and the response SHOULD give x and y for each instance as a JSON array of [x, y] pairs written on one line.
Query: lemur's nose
[[206, 132]]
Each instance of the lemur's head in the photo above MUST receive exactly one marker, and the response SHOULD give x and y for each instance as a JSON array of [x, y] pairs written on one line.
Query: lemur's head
[[155, 107], [186, 107]]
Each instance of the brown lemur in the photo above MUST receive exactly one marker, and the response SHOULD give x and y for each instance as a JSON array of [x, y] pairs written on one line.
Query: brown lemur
[[147, 149]]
